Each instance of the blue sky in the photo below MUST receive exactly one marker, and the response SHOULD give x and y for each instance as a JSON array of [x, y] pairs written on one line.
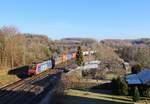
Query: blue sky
[[98, 19]]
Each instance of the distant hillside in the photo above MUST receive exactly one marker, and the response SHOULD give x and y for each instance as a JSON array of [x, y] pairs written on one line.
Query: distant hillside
[[145, 41], [85, 40], [116, 43]]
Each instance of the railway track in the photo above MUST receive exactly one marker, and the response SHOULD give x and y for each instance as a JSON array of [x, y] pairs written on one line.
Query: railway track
[[31, 90], [28, 88]]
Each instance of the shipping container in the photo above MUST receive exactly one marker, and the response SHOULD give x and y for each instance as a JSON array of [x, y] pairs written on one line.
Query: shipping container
[[74, 55], [64, 57], [49, 64], [69, 56]]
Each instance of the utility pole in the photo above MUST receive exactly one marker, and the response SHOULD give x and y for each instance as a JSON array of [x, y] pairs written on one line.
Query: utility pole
[[24, 55], [24, 52]]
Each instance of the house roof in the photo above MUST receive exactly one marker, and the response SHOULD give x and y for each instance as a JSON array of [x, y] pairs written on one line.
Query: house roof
[[133, 79], [142, 77]]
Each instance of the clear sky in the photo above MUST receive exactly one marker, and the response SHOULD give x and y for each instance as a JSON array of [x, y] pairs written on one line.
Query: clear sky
[[99, 19]]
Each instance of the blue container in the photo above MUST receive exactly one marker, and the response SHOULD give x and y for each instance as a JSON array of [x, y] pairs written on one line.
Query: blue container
[[69, 56], [49, 64]]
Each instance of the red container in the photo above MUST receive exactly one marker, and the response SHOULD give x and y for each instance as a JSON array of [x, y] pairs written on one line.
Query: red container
[[74, 55], [64, 57]]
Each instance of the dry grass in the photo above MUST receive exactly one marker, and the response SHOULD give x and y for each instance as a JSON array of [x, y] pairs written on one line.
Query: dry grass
[[84, 97], [110, 76], [5, 78]]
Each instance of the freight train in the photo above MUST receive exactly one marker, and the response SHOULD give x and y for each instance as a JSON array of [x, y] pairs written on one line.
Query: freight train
[[39, 67]]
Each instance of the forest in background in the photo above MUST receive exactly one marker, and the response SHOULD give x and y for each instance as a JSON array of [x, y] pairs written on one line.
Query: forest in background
[[18, 49]]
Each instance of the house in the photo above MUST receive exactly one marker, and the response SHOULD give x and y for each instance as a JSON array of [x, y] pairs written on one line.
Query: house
[[91, 65], [141, 78]]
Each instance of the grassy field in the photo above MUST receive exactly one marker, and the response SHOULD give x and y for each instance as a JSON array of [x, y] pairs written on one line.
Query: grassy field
[[7, 79], [83, 97]]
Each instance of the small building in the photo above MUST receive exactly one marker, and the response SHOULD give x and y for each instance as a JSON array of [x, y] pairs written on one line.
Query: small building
[[93, 62], [141, 78], [91, 65]]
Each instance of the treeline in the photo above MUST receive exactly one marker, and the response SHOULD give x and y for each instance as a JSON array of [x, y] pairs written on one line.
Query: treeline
[[136, 55], [17, 49], [133, 51]]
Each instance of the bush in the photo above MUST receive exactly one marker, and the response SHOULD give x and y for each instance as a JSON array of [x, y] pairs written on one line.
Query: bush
[[136, 68], [119, 86], [79, 56], [123, 88], [146, 91], [114, 86], [136, 95]]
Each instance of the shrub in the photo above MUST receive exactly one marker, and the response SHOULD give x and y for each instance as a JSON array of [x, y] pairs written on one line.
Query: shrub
[[136, 95], [119, 86], [79, 56], [146, 91], [123, 88], [136, 68], [116, 85]]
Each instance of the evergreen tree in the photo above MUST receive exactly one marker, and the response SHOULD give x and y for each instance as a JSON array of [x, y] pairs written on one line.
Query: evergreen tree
[[119, 86], [136, 68], [114, 86], [116, 82], [79, 56], [124, 88], [136, 95]]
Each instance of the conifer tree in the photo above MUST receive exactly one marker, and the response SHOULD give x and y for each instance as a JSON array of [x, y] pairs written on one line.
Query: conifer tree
[[136, 95], [119, 86], [136, 68], [79, 56], [124, 88]]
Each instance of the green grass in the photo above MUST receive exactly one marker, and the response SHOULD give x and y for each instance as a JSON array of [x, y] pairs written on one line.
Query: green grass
[[83, 97]]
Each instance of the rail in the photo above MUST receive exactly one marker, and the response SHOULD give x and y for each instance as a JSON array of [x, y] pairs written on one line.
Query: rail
[[32, 90], [24, 91]]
